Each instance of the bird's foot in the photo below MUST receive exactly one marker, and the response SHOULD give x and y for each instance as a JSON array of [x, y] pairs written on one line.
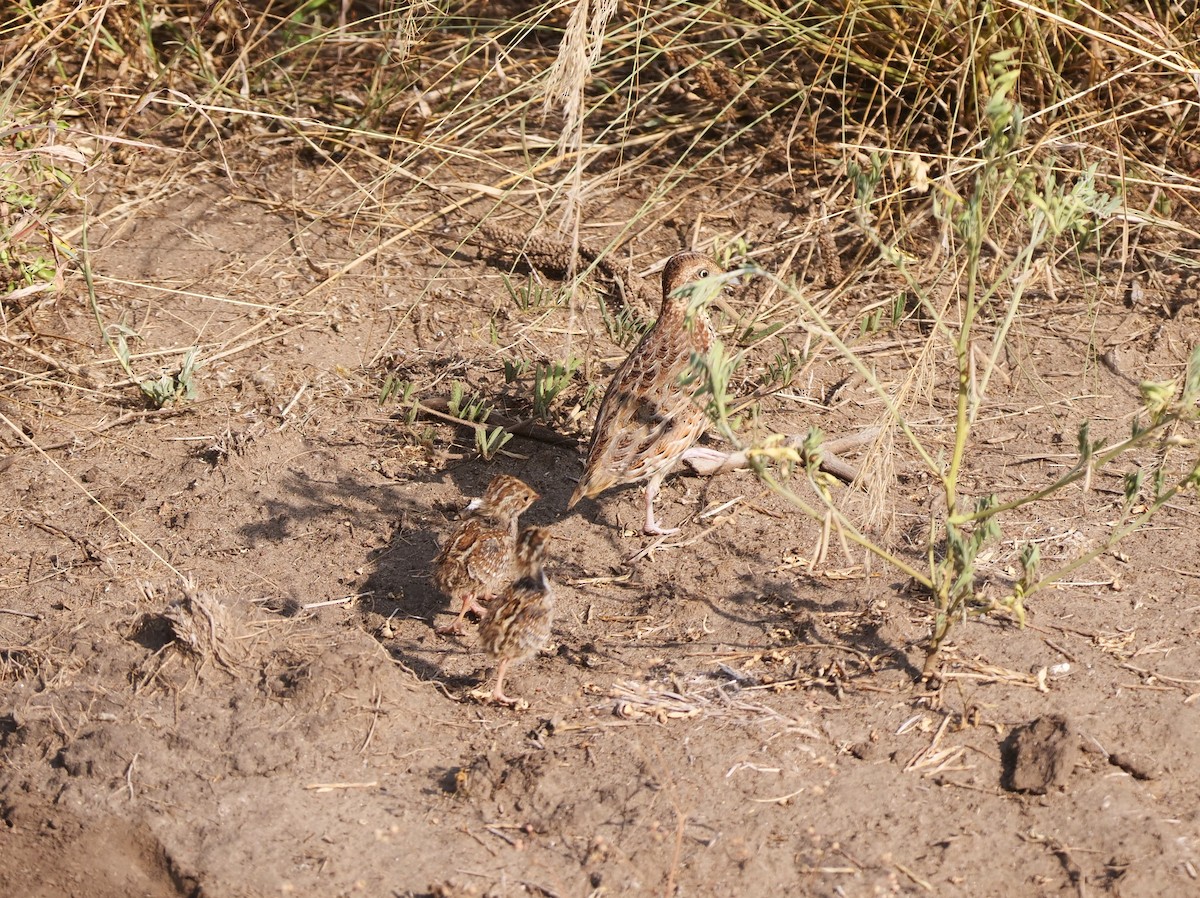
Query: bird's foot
[[653, 529], [497, 697], [501, 699], [470, 606], [457, 628]]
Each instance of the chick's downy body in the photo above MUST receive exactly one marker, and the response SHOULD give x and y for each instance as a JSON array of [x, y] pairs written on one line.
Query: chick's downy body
[[648, 418], [517, 623], [478, 559]]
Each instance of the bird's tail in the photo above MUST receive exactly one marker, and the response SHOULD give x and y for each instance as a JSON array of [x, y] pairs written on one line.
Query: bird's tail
[[580, 492]]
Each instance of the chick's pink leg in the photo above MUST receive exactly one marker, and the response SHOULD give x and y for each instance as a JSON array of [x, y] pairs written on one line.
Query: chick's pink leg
[[469, 603], [498, 692]]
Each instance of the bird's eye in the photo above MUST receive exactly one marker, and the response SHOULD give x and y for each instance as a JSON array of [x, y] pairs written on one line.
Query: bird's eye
[[703, 273]]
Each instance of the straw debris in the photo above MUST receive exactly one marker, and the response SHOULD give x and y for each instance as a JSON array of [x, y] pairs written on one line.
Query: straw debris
[[205, 628]]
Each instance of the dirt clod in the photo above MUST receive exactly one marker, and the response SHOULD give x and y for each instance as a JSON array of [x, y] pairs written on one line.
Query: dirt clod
[[1040, 755]]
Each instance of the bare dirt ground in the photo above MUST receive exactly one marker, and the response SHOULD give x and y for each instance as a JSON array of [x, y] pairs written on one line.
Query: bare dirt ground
[[714, 718]]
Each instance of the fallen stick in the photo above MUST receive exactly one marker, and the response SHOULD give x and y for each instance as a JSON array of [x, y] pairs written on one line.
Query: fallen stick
[[711, 462], [439, 407]]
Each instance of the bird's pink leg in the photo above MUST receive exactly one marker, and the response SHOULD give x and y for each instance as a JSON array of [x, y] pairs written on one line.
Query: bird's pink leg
[[652, 528], [469, 603], [498, 693]]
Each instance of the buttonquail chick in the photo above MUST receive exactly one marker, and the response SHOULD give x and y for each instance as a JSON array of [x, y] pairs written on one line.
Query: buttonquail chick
[[517, 623], [478, 559]]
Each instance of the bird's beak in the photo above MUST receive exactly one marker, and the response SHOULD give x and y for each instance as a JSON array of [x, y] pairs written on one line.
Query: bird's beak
[[739, 276], [723, 304]]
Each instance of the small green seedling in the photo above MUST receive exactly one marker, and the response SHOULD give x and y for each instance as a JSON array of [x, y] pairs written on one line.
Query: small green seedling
[[515, 369], [472, 408], [549, 381], [170, 388], [489, 442], [533, 294]]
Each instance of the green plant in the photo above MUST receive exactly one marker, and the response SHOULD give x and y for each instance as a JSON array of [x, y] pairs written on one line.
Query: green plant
[[172, 388], [782, 367], [471, 407], [1079, 212], [592, 394], [35, 182], [534, 294], [884, 316], [489, 442], [395, 388], [515, 369], [549, 381], [403, 391], [726, 251], [752, 334]]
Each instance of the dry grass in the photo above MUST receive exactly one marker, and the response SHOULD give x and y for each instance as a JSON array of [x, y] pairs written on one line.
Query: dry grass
[[562, 104], [639, 701]]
